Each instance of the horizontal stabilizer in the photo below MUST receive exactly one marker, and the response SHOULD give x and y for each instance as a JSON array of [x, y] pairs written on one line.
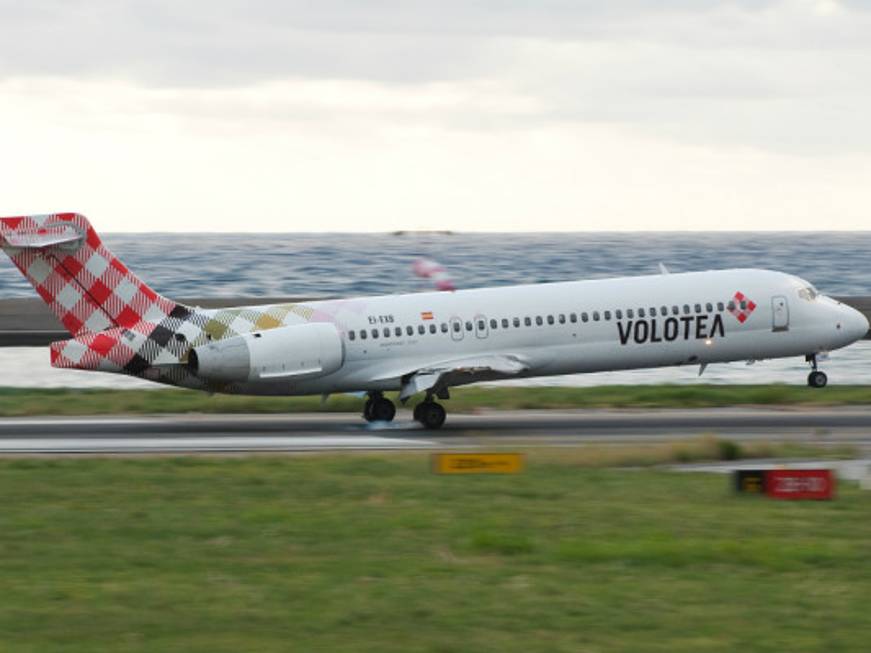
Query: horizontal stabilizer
[[45, 237]]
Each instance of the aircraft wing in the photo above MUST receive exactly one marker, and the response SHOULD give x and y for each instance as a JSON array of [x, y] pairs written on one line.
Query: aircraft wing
[[460, 372]]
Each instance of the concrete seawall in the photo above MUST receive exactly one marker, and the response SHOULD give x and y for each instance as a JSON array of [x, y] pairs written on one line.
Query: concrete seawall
[[27, 322]]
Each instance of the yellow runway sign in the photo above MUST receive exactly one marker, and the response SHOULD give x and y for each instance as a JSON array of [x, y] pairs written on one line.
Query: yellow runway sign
[[477, 463]]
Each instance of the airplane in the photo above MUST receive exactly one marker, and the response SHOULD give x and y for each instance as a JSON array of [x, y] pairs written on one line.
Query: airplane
[[423, 343]]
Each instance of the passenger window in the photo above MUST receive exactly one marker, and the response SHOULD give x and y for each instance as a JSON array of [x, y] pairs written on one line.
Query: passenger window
[[585, 317], [351, 335], [562, 318], [731, 306], [375, 334], [421, 329], [494, 324], [640, 312], [504, 322], [686, 309], [481, 325], [595, 316], [386, 332], [527, 321], [433, 328], [444, 327], [469, 326], [607, 315], [550, 319], [516, 322], [630, 313], [675, 310], [457, 327], [618, 314], [538, 320], [709, 307], [573, 317], [743, 304], [698, 308], [653, 311], [720, 306], [409, 330], [663, 310], [362, 334], [398, 331]]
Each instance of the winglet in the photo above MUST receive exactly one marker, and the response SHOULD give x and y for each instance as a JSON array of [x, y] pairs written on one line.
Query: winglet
[[663, 269]]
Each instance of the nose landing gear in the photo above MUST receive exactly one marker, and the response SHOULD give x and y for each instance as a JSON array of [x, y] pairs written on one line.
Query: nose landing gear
[[817, 378]]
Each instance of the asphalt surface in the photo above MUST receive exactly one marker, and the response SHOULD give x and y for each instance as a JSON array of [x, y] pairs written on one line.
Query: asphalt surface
[[346, 431]]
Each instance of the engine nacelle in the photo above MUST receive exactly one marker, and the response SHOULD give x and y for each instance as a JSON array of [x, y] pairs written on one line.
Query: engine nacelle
[[290, 352]]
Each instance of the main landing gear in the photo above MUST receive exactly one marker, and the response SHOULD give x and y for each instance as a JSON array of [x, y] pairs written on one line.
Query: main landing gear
[[817, 378], [378, 408], [430, 414]]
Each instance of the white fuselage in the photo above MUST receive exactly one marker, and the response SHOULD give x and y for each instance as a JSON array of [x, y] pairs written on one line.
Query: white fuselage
[[582, 326]]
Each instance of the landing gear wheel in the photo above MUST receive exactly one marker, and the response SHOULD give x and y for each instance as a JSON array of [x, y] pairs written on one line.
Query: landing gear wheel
[[430, 414], [367, 410], [817, 379], [382, 410]]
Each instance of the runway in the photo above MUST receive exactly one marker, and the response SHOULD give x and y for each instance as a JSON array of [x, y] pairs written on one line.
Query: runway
[[348, 432]]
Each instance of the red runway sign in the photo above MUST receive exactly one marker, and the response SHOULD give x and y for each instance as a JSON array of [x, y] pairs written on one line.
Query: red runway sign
[[800, 483]]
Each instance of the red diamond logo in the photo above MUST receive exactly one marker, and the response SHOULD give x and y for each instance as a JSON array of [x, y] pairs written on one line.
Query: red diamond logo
[[741, 307]]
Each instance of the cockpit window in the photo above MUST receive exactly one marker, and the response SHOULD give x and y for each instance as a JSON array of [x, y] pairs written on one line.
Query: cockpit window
[[808, 293]]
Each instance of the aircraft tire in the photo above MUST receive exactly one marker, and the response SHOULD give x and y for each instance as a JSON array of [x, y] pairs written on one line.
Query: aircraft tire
[[367, 410], [430, 414], [382, 410], [817, 379]]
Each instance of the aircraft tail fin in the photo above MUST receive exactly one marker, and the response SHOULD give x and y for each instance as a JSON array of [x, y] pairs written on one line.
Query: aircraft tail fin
[[86, 286]]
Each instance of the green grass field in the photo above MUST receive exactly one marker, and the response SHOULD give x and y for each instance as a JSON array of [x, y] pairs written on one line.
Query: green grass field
[[373, 553], [17, 402]]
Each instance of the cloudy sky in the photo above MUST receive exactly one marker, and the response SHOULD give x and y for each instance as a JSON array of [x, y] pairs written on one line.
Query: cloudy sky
[[227, 115]]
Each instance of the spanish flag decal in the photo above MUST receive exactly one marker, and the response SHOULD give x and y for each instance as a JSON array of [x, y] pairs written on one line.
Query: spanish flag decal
[[426, 315]]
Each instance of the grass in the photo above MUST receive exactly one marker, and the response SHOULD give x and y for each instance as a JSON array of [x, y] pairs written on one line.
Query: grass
[[373, 553], [703, 448], [19, 402]]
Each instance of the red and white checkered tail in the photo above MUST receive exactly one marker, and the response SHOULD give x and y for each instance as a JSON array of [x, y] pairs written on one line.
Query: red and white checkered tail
[[82, 282]]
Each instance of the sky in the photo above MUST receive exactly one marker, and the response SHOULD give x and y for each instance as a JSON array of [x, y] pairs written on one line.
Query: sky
[[493, 115]]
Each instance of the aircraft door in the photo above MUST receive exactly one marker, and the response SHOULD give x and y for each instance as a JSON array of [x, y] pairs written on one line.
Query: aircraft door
[[456, 329], [779, 313], [481, 328]]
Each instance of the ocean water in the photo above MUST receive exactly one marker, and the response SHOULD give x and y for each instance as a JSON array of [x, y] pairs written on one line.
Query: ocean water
[[333, 265]]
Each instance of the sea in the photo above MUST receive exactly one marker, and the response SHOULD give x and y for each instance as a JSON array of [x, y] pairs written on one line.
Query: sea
[[326, 265]]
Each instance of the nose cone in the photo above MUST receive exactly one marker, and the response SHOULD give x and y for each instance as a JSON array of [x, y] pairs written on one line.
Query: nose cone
[[853, 323]]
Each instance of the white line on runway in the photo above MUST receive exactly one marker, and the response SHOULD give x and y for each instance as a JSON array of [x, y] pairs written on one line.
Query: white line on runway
[[84, 421], [206, 444]]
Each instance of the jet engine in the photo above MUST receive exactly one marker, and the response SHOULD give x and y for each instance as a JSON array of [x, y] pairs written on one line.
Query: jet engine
[[290, 352]]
